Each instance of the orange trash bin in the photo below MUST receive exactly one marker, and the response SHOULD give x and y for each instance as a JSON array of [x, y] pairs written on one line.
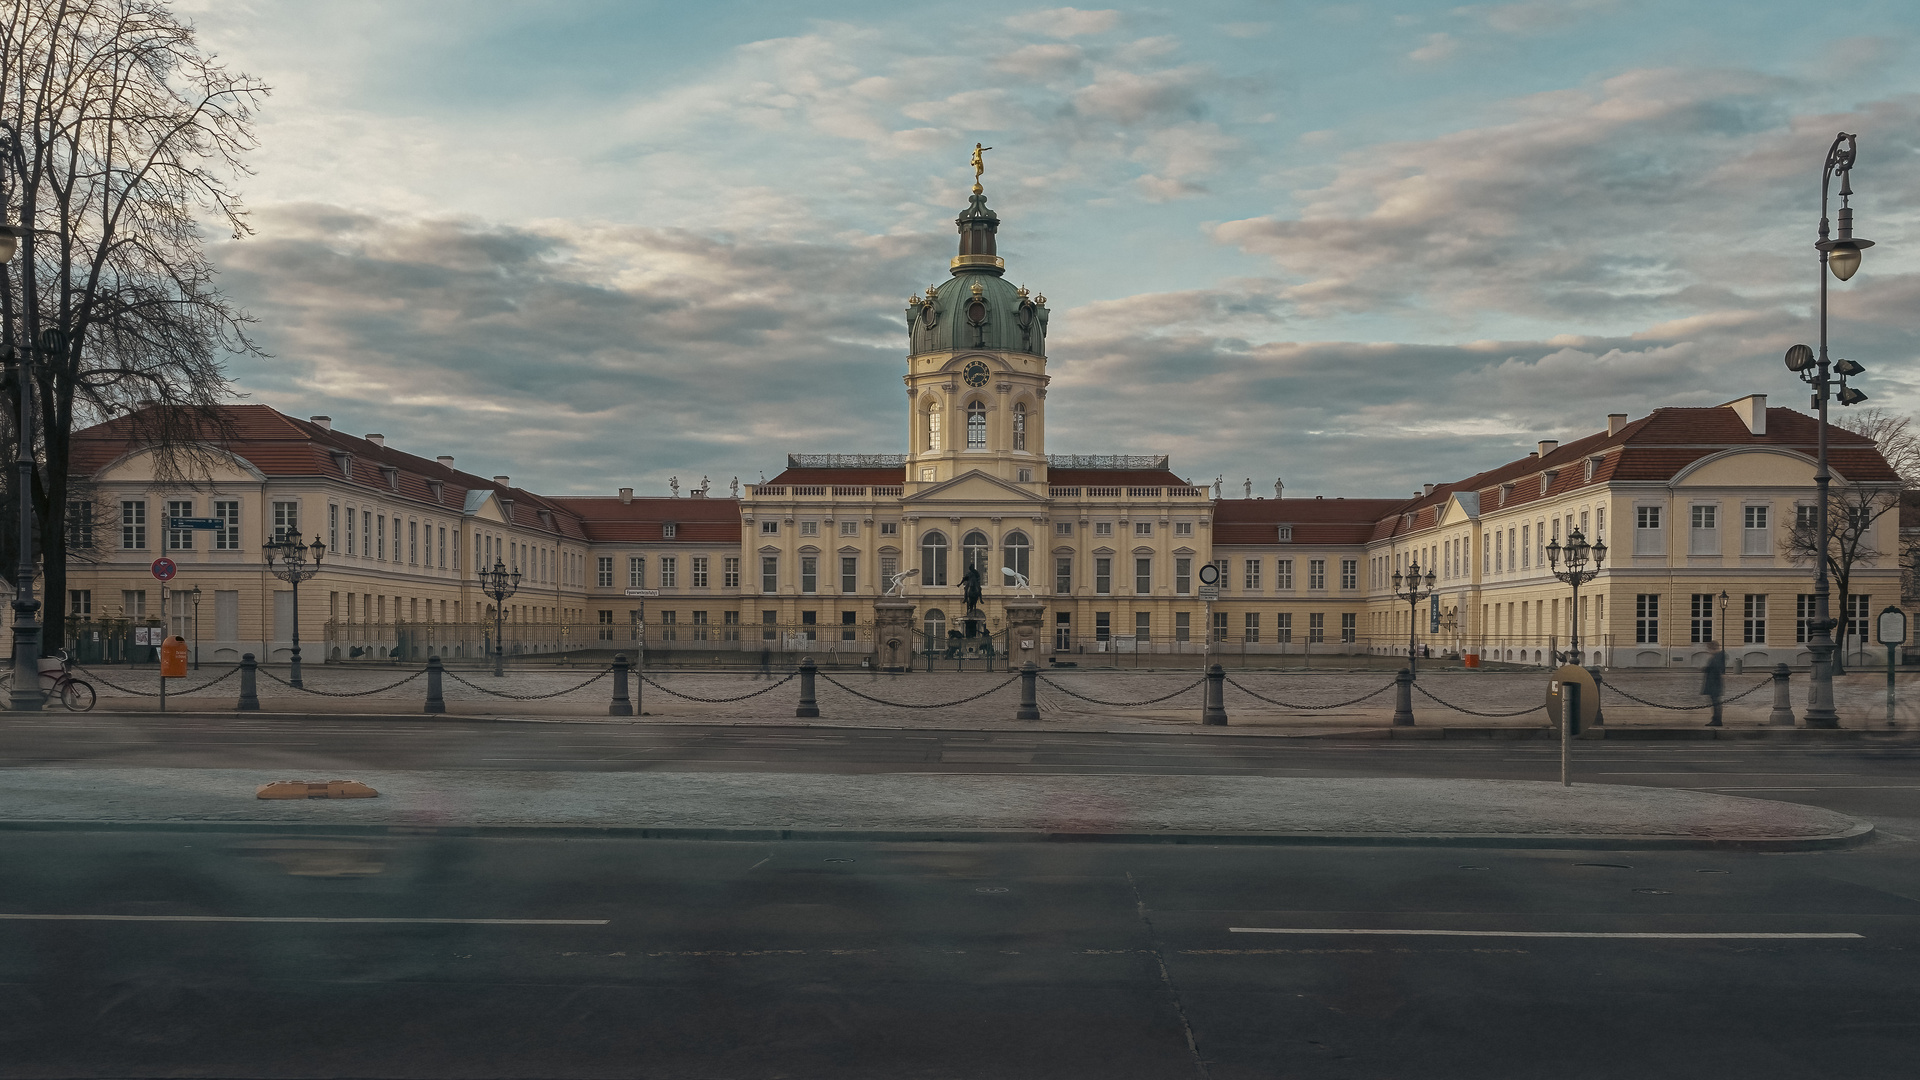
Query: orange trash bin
[[1471, 659], [173, 658]]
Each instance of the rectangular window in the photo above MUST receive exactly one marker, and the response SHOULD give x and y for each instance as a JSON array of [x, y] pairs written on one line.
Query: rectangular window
[[443, 549], [1103, 626], [809, 625], [606, 626], [79, 525], [1183, 528], [1526, 545], [1702, 616], [636, 572], [1805, 516], [380, 536], [1103, 576], [1183, 626], [1063, 574], [770, 528], [1063, 631], [1316, 627], [1250, 575], [1856, 617], [1349, 573], [699, 626], [1103, 528], [889, 566], [669, 530], [1646, 617], [413, 545], [889, 528], [1703, 538], [1803, 616], [1283, 575], [669, 571], [333, 526], [286, 518], [850, 528], [697, 571], [1143, 576], [849, 575], [350, 524], [1219, 627], [1646, 531], [1316, 573], [1349, 630], [669, 626], [133, 524], [1143, 528], [730, 574], [80, 603], [133, 603], [1063, 528], [1755, 610], [1755, 538], [809, 528], [1142, 627], [228, 538], [730, 626], [769, 573], [1183, 576], [179, 539], [769, 625], [809, 573], [1250, 633], [603, 577], [1283, 627]]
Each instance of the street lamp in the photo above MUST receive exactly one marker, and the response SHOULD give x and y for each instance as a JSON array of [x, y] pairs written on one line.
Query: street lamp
[[1725, 630], [196, 628], [26, 695], [287, 558], [1576, 574], [499, 583], [1416, 590], [1840, 256]]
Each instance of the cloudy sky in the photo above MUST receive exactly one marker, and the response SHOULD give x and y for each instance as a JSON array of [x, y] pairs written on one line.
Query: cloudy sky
[[1361, 246]]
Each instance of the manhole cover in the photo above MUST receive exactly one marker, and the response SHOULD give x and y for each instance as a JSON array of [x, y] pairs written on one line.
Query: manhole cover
[[1655, 892], [990, 889]]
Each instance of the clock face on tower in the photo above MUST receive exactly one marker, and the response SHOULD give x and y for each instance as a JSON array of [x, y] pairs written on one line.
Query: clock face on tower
[[975, 373]]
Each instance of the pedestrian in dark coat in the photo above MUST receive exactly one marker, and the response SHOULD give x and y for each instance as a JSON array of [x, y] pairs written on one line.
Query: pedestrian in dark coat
[[1713, 679]]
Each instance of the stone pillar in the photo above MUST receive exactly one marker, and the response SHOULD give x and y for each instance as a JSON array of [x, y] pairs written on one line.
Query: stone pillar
[[893, 635], [621, 705], [1403, 698], [436, 700], [1026, 625], [1782, 714]]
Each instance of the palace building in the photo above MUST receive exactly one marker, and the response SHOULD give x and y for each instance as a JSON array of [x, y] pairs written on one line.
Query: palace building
[[1072, 553]]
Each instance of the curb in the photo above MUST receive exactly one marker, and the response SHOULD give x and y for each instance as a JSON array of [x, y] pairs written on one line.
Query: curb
[[743, 834]]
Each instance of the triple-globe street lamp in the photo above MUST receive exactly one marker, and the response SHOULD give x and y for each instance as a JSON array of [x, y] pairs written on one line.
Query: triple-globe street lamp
[[287, 559], [1416, 589], [1839, 256], [1576, 573], [499, 583], [26, 695]]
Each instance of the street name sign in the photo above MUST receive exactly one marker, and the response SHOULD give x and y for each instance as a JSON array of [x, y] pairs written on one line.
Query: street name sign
[[211, 524], [643, 592]]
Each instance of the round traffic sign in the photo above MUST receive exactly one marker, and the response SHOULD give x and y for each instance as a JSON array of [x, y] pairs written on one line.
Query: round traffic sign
[[1209, 574], [164, 569]]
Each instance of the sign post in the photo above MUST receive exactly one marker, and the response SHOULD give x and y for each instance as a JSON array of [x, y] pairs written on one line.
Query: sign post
[[640, 653], [1892, 631]]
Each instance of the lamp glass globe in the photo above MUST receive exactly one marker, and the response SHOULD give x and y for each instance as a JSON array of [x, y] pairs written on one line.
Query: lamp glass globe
[[1843, 262]]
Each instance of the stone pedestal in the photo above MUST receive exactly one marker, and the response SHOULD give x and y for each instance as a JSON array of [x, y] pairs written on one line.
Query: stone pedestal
[[1026, 628], [893, 634]]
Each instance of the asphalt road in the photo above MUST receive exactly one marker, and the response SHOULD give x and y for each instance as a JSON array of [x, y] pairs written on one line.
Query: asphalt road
[[684, 959]]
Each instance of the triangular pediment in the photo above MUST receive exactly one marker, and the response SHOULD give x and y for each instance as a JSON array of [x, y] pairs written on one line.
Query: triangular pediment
[[1463, 505], [974, 487], [482, 504]]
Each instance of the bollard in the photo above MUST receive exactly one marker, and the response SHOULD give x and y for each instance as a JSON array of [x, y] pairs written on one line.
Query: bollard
[[1599, 710], [435, 702], [1569, 723], [249, 697], [807, 706], [1782, 714], [621, 706], [1215, 710], [1403, 699], [1029, 700]]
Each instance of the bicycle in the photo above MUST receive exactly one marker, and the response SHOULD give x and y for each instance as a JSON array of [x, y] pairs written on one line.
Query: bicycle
[[76, 695]]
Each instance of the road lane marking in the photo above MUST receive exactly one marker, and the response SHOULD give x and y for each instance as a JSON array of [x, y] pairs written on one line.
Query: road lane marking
[[1540, 934], [10, 917]]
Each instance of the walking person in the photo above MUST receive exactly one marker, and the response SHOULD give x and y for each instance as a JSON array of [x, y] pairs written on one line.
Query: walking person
[[766, 663], [1713, 679]]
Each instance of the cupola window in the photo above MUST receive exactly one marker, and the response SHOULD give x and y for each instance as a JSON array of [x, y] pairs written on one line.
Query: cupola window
[[933, 428], [977, 426], [1020, 427]]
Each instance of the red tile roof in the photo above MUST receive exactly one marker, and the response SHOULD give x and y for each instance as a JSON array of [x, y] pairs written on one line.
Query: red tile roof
[[609, 520], [1314, 521]]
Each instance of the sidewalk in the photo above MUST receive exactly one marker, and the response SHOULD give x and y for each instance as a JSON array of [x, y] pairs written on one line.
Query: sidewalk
[[908, 807]]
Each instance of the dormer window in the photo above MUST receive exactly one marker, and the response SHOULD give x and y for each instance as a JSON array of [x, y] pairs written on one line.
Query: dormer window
[[1593, 466], [1546, 480], [345, 464], [436, 487], [1506, 491], [667, 530], [1284, 534], [392, 473]]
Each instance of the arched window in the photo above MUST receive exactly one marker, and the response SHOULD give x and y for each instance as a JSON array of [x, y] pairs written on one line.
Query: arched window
[[977, 425], [975, 549], [933, 427], [933, 558], [1020, 426], [1017, 550], [936, 628]]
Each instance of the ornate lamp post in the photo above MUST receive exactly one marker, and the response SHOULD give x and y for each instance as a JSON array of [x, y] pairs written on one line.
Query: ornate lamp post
[[499, 583], [1576, 573], [287, 559], [1839, 256], [196, 628], [1415, 590], [26, 695]]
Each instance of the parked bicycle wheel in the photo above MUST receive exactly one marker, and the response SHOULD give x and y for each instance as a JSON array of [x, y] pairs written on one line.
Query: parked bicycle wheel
[[76, 695]]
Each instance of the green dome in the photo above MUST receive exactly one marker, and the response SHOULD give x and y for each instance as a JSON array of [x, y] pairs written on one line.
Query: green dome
[[977, 309]]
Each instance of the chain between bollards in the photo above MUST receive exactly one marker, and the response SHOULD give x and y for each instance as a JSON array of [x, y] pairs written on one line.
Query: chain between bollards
[[621, 706], [1214, 712], [1403, 699], [807, 707], [435, 702]]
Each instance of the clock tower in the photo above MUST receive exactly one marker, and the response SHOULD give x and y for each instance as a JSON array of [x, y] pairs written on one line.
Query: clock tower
[[977, 367]]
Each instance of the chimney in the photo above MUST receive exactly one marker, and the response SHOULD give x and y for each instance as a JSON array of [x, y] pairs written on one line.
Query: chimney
[[502, 481], [1616, 421], [1752, 410], [698, 493], [1430, 488], [325, 422], [377, 440], [445, 459], [1548, 446], [626, 496]]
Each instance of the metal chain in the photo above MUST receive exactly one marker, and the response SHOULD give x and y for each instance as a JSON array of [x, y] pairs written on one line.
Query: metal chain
[[1688, 708], [916, 705], [345, 694], [1308, 708], [1124, 704], [716, 700], [527, 697], [96, 677], [1475, 712]]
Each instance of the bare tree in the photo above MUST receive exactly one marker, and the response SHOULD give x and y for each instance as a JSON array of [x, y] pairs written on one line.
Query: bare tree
[[121, 134], [1852, 513], [1893, 434]]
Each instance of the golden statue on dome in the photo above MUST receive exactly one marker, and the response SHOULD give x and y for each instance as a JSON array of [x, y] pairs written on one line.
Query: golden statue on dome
[[979, 166]]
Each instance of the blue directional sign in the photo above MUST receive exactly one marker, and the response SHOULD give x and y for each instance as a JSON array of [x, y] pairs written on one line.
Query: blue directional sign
[[214, 524]]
